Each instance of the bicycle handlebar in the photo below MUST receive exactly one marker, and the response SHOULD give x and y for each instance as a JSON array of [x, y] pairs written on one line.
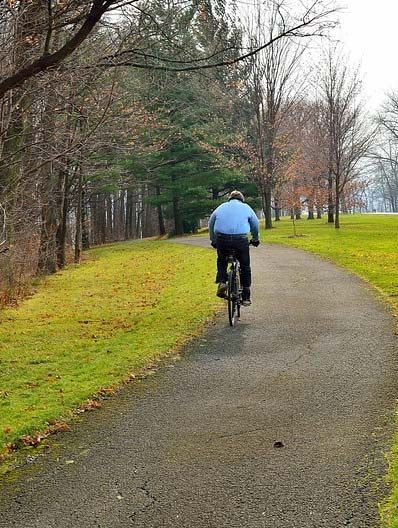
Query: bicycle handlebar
[[251, 243]]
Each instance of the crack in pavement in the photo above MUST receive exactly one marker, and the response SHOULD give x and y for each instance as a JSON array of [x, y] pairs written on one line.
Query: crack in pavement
[[240, 433], [148, 495]]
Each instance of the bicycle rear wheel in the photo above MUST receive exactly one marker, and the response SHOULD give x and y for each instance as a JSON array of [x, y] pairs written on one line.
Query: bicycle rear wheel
[[238, 291], [231, 297]]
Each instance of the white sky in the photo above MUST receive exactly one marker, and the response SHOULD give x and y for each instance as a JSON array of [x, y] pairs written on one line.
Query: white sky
[[369, 31]]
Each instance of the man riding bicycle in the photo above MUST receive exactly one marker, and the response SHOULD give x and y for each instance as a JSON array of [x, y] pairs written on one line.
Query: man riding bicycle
[[228, 228]]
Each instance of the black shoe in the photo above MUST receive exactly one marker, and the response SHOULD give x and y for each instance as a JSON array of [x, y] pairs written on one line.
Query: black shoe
[[246, 301], [222, 290]]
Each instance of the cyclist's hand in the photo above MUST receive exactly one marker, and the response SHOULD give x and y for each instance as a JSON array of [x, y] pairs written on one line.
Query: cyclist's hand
[[214, 245], [255, 243]]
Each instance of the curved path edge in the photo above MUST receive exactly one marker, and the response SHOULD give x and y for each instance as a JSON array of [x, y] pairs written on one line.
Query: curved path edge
[[312, 365]]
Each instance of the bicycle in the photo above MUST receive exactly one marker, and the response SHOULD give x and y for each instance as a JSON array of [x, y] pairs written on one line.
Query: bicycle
[[234, 288]]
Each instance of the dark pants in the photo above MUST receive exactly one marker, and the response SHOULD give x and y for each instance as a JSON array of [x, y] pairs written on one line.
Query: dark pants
[[240, 244]]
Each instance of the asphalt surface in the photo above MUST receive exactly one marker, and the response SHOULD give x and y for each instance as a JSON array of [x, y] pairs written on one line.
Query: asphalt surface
[[311, 367]]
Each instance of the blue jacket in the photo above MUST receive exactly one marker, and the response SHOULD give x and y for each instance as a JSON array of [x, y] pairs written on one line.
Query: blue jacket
[[233, 218]]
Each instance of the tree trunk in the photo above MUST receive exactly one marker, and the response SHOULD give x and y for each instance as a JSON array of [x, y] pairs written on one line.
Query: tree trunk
[[178, 226], [109, 213], [277, 210], [79, 218], [102, 225], [129, 215], [62, 227], [337, 215], [267, 207], [92, 207], [13, 141], [318, 213], [138, 212], [85, 221], [47, 262], [122, 214], [61, 235], [337, 203], [151, 220], [214, 193], [330, 199], [162, 228], [50, 216]]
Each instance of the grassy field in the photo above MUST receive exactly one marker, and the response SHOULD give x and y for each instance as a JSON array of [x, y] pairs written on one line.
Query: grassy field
[[365, 244], [368, 246], [92, 326]]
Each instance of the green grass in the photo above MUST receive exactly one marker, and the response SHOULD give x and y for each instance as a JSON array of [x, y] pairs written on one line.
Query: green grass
[[92, 326], [365, 244], [389, 509], [368, 246]]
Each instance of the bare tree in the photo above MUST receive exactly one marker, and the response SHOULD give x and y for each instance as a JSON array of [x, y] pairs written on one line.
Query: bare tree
[[308, 142], [385, 155], [388, 117], [386, 168], [345, 125], [275, 82]]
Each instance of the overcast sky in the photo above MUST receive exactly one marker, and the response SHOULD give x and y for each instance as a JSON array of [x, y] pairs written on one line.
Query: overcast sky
[[368, 29]]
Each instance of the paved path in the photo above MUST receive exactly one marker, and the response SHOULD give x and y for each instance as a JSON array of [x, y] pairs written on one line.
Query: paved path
[[312, 364]]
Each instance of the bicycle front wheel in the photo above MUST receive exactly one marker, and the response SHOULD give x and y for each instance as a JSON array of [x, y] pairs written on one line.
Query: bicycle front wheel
[[231, 298]]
